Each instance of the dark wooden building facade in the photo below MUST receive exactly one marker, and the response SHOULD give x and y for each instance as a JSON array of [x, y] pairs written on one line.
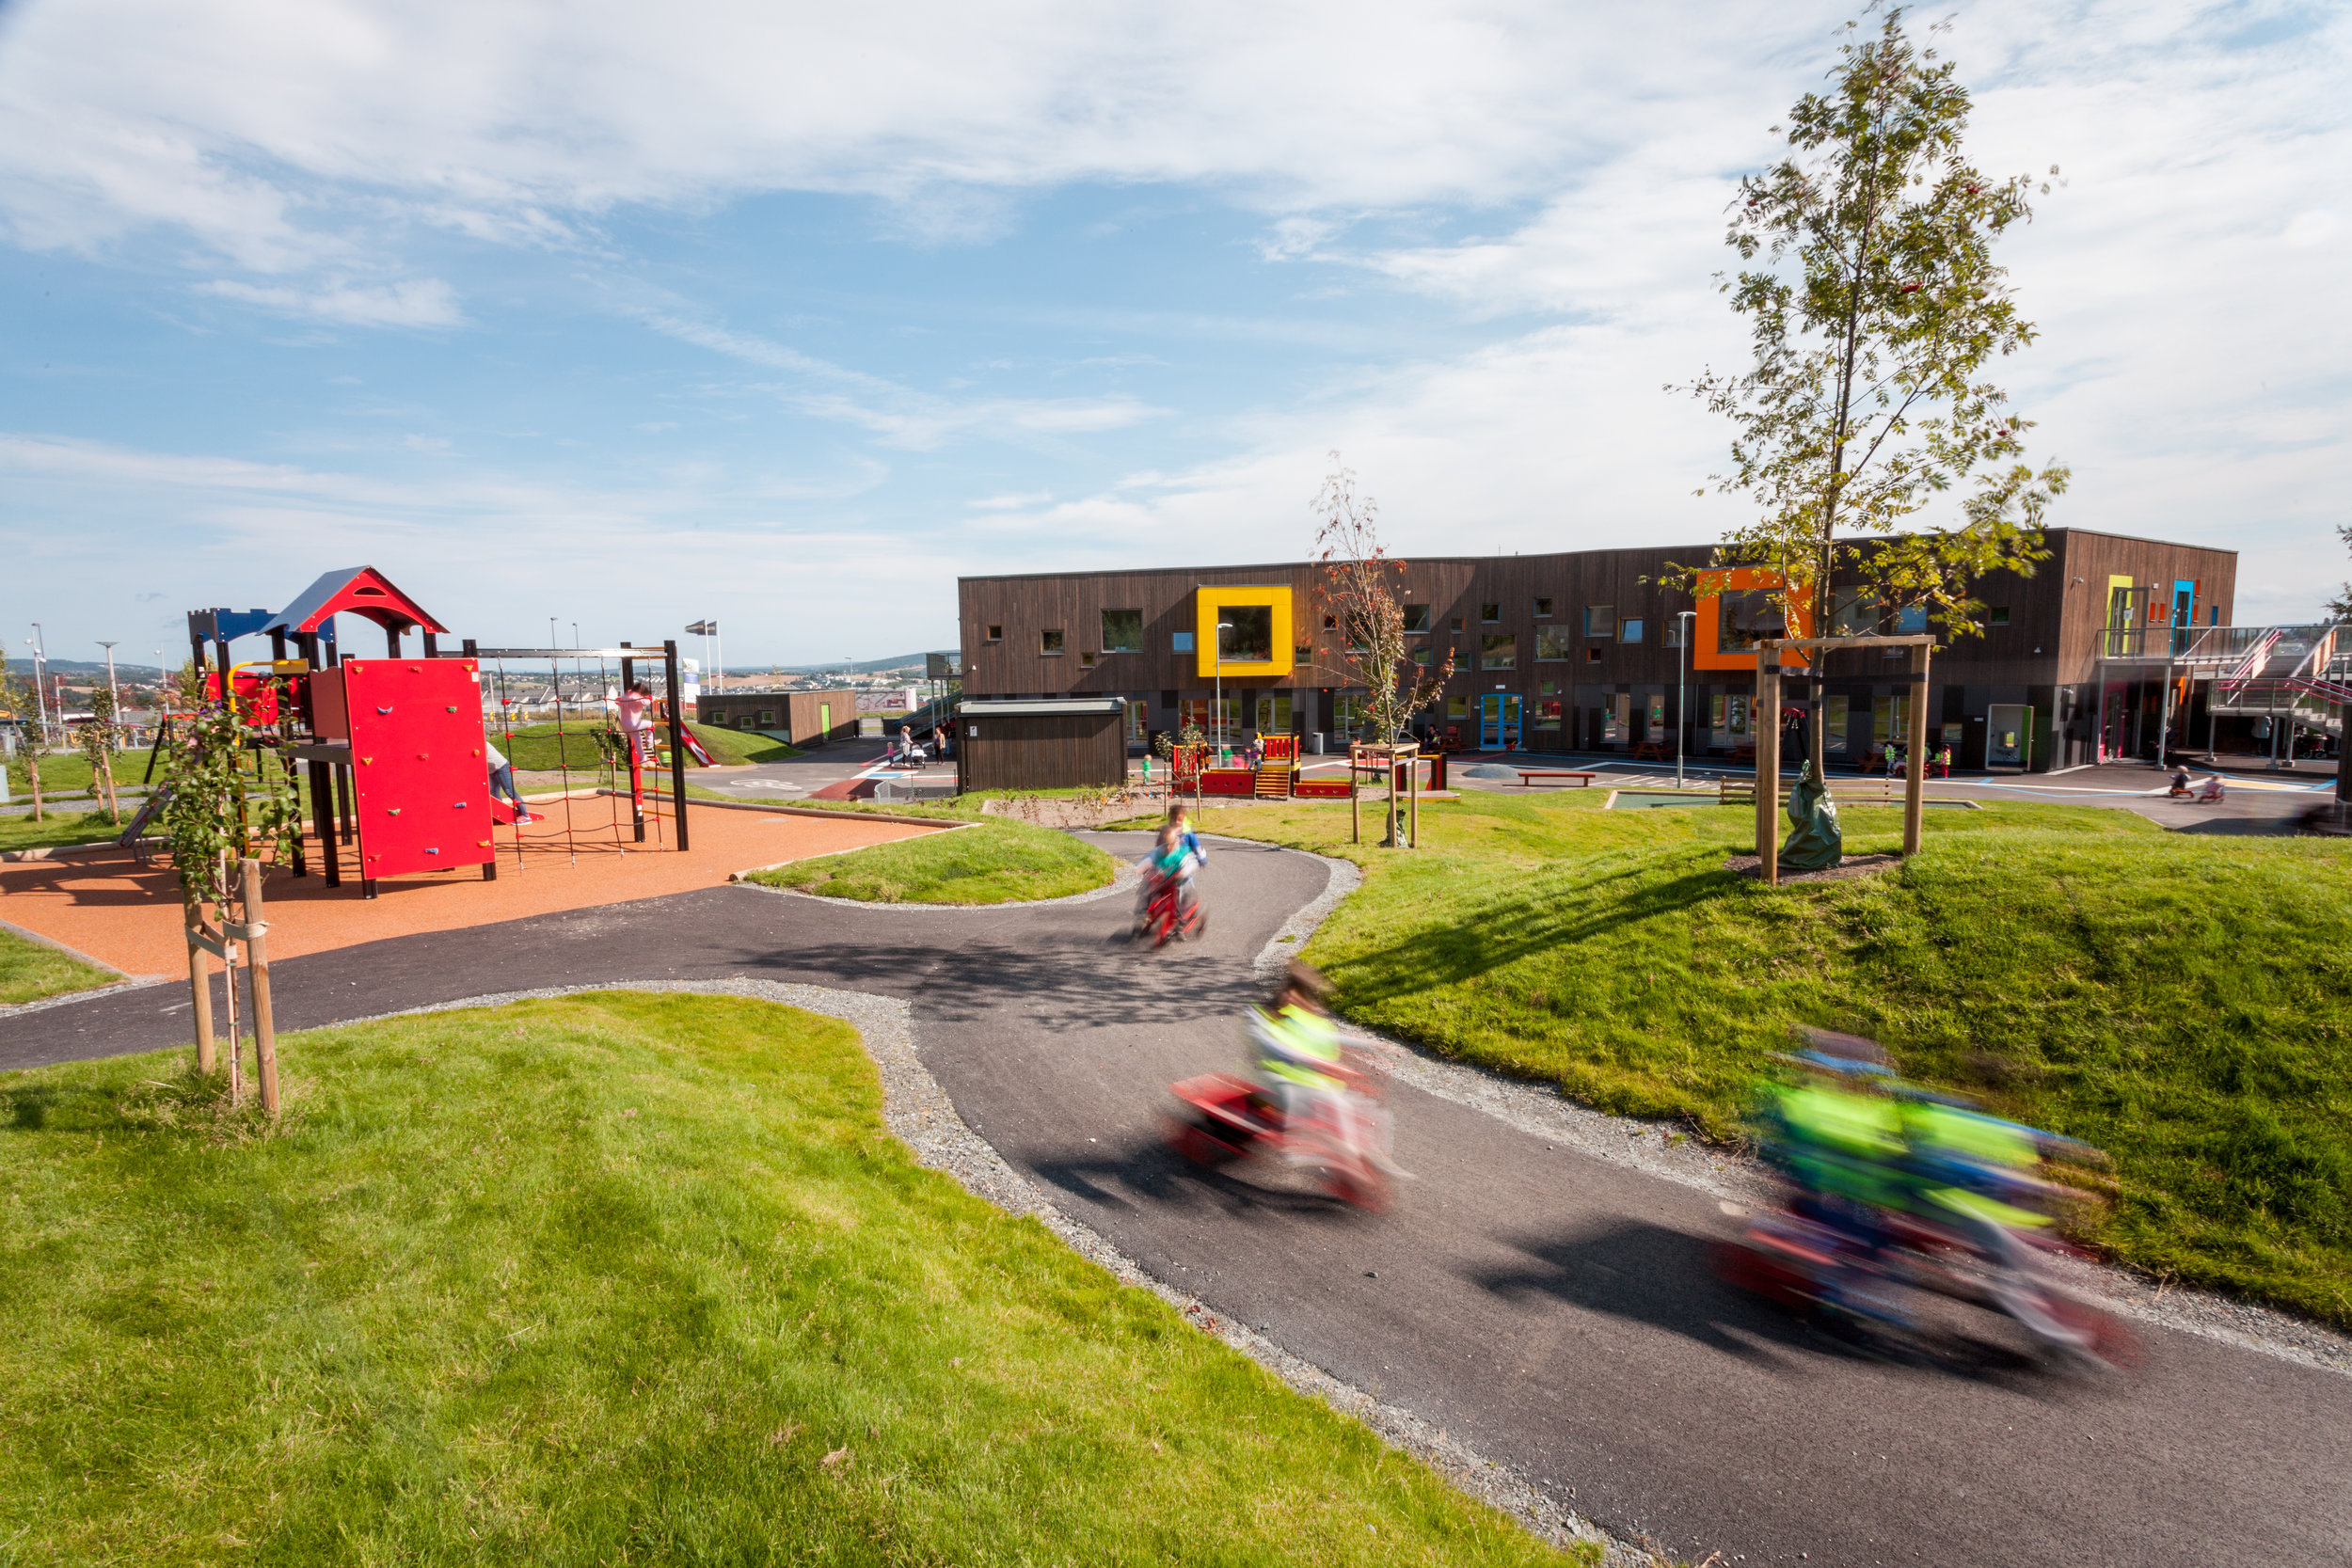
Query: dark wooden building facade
[[803, 719], [1067, 744], [1582, 651]]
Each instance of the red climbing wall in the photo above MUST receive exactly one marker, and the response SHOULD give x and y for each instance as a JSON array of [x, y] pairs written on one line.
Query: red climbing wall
[[423, 789]]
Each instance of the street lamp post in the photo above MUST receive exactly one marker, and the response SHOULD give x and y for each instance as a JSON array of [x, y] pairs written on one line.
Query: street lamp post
[[1682, 691], [112, 695], [1218, 730], [41, 682]]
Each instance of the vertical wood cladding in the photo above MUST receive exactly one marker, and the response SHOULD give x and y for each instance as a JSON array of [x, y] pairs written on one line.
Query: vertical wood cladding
[[1042, 750], [2049, 611]]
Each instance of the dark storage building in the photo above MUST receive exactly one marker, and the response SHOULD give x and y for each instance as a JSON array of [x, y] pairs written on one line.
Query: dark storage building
[[1076, 743], [802, 719]]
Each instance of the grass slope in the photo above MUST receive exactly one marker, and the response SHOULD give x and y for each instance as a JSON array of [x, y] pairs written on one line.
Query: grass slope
[[32, 969], [73, 825], [542, 748], [2182, 1001], [994, 862], [617, 1279]]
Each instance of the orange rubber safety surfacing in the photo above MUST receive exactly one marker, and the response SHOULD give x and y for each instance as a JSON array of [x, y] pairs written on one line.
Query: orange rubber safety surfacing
[[102, 903]]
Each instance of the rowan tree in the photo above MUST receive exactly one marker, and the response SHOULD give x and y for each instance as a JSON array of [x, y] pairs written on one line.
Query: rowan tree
[[1360, 622], [1874, 305]]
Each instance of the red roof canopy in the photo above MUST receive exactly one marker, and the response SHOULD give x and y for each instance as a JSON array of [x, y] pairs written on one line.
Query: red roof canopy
[[353, 591]]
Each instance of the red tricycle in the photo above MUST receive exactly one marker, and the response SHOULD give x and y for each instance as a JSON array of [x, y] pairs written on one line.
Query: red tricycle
[[1222, 1117]]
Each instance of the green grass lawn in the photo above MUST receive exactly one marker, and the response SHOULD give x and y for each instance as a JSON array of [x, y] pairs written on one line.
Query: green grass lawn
[[995, 862], [74, 824], [31, 969], [539, 748], [2182, 1001], [608, 1279], [69, 773]]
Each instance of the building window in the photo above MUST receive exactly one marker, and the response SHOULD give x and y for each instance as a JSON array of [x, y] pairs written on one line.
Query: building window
[[1551, 647], [1853, 613], [1424, 656], [1549, 688], [995, 634], [1548, 713], [1302, 656], [1247, 634], [1181, 642], [1749, 617], [1086, 659], [1600, 620], [1836, 715], [1911, 620], [1629, 631], [1498, 652], [1330, 623], [1274, 714], [1613, 720], [1457, 707], [1727, 717], [1890, 720], [1049, 642], [1123, 631], [1591, 656], [1658, 714], [742, 721], [1490, 614], [1416, 617], [1455, 622], [1138, 719], [1997, 615], [1543, 609], [1201, 713]]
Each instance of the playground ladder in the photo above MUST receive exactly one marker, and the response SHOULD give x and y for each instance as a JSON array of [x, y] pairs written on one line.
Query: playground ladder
[[1274, 781]]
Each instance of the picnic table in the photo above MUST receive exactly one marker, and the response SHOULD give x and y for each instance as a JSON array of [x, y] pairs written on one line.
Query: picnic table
[[1652, 751]]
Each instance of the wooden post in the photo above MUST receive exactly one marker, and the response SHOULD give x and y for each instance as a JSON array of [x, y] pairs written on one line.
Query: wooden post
[[1765, 722], [1413, 784], [257, 967], [1913, 783], [1354, 803], [201, 995]]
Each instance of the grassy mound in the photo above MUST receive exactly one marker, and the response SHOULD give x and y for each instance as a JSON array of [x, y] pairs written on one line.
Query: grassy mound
[[621, 1278], [542, 747], [995, 862], [2182, 1001], [32, 969]]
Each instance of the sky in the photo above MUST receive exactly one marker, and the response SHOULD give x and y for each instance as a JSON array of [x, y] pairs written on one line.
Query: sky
[[625, 316]]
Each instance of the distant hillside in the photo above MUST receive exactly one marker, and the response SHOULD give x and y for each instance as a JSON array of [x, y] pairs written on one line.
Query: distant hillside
[[913, 663], [85, 667]]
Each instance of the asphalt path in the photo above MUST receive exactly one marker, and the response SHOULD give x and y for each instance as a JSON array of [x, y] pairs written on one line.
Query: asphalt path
[[1551, 1309]]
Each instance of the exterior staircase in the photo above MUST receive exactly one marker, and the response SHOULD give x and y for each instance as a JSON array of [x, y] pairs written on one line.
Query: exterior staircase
[[1274, 781]]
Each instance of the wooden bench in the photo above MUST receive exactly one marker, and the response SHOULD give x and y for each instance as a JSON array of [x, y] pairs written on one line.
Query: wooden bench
[[1528, 775]]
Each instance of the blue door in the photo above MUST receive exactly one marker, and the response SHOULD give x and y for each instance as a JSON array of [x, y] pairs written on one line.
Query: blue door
[[1499, 722]]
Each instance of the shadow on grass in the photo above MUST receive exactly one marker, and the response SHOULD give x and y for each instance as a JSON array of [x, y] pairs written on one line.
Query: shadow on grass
[[1503, 933]]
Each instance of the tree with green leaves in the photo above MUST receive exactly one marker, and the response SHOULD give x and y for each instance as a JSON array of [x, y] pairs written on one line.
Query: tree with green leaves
[[98, 739], [2340, 607], [1360, 635], [1874, 306], [19, 699]]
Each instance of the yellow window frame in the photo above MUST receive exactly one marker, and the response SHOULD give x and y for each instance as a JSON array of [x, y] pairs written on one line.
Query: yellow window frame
[[1210, 605]]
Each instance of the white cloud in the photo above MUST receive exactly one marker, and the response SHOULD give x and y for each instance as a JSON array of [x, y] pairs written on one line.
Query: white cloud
[[420, 302]]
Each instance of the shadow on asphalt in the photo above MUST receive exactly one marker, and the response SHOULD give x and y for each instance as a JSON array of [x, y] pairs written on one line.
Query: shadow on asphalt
[[1662, 1276], [1072, 988], [1150, 1170]]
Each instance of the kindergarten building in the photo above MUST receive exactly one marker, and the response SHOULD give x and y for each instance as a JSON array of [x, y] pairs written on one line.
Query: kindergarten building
[[2108, 640]]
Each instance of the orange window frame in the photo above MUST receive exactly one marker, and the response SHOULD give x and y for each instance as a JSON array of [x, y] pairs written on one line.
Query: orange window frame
[[1706, 628]]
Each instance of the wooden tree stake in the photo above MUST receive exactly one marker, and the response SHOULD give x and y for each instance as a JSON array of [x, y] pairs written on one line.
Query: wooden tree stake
[[257, 968], [1915, 782]]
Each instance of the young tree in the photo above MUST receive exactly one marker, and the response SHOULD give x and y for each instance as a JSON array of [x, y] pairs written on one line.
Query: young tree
[[2340, 607], [20, 697], [1360, 622], [96, 739], [1874, 304]]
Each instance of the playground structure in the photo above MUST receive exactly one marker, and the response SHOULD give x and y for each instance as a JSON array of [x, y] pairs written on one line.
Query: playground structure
[[395, 746]]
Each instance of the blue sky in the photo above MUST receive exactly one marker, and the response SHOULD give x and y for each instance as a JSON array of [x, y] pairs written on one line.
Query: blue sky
[[631, 316]]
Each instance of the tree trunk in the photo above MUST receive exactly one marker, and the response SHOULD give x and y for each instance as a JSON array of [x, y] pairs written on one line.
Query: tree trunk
[[32, 771], [107, 779]]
